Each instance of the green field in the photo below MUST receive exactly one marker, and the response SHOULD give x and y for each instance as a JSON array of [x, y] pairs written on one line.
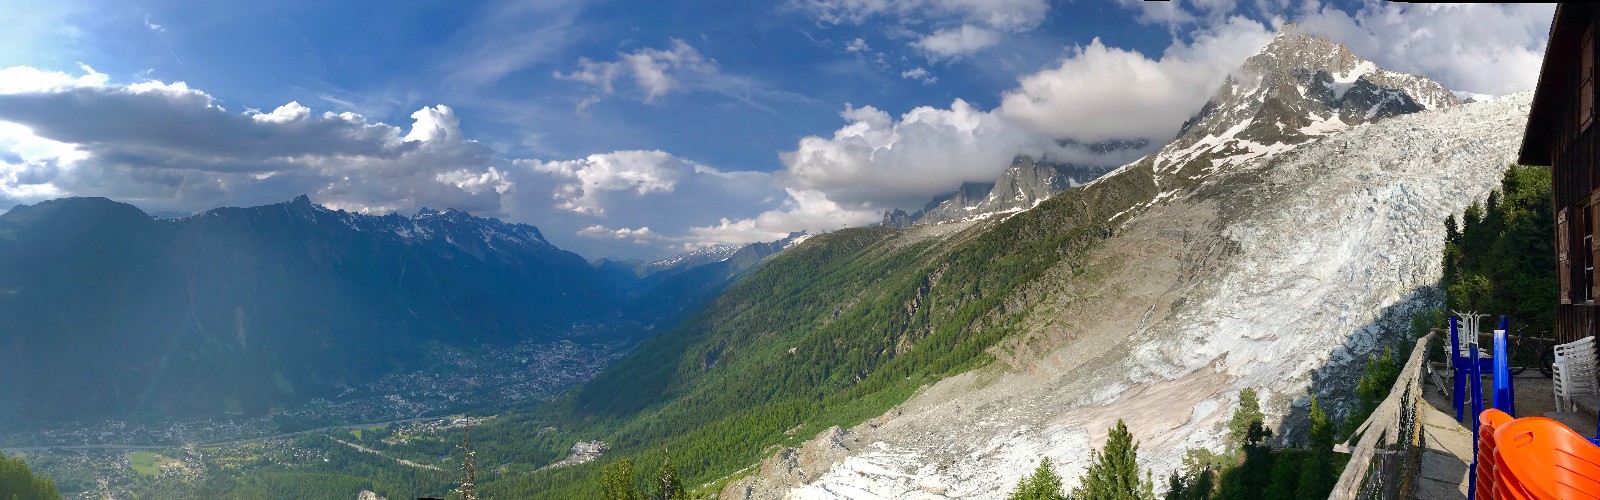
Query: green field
[[148, 463]]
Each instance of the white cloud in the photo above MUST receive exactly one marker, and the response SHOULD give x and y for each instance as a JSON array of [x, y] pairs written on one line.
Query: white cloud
[[802, 210], [1485, 48], [653, 72], [958, 27], [956, 42], [877, 161], [857, 45], [920, 74], [1102, 93], [284, 114], [667, 194], [153, 26], [21, 79], [640, 236], [168, 146], [586, 180]]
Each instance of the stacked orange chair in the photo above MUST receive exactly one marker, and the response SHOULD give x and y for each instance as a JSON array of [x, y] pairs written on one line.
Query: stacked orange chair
[[1490, 420], [1539, 458]]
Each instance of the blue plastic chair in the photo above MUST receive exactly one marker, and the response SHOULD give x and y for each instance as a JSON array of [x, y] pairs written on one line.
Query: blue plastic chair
[[1504, 390], [1468, 371]]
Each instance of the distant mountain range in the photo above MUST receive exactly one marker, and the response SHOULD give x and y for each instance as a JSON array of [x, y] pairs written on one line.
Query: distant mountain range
[[112, 311], [1026, 183]]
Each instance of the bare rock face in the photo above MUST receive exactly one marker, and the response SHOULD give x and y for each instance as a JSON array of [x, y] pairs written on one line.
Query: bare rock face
[[794, 467]]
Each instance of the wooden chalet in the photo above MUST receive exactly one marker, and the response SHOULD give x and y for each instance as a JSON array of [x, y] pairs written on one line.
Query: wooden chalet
[[1561, 134]]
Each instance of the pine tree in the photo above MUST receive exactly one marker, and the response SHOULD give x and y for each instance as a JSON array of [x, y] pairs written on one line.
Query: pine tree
[[1114, 471], [1316, 476], [1452, 230], [1285, 477], [616, 481], [469, 474], [1044, 484], [667, 485], [1248, 425]]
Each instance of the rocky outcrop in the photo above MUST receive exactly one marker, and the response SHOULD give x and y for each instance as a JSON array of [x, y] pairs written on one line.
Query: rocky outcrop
[[1023, 185]]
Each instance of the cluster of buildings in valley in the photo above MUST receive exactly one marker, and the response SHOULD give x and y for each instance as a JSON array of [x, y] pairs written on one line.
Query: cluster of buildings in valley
[[89, 459], [496, 377]]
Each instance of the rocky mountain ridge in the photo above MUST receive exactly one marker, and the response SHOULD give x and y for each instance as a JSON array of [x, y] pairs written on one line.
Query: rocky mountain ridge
[[1023, 185]]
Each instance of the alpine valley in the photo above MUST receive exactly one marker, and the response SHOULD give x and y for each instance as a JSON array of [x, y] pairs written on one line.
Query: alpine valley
[[1291, 229]]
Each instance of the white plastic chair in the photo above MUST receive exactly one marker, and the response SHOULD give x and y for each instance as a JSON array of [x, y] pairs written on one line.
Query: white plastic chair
[[1574, 371]]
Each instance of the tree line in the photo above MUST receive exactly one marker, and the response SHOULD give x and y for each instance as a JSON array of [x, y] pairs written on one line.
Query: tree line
[[1249, 469]]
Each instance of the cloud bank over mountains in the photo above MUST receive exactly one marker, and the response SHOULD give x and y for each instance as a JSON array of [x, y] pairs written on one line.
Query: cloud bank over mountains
[[168, 146]]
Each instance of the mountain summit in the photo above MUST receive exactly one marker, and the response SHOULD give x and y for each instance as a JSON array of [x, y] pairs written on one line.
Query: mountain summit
[[1296, 89]]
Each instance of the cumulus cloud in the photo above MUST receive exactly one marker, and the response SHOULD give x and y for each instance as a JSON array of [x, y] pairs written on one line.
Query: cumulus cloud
[[878, 161], [588, 179], [919, 74], [652, 72], [957, 42], [171, 146], [1485, 48], [857, 45], [653, 190], [22, 79], [1102, 93], [802, 210], [640, 236]]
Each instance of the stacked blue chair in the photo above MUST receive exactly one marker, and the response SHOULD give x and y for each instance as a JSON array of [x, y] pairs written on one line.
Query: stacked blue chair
[[1468, 368]]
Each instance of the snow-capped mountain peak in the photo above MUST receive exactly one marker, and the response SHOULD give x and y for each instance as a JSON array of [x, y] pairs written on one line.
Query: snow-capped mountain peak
[[1296, 89]]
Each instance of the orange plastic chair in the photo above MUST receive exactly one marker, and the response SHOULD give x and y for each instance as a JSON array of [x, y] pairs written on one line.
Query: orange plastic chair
[[1488, 421], [1546, 460]]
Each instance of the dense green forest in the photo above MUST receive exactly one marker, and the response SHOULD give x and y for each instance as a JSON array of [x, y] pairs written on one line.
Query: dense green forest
[[1250, 469], [18, 482], [1500, 257]]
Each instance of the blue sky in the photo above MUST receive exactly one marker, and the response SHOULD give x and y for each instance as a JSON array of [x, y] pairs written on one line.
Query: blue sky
[[636, 129]]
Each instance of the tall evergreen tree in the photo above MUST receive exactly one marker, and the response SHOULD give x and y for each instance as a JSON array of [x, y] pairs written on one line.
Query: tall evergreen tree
[[1248, 425], [1114, 471], [1316, 474], [667, 485], [1044, 484], [616, 481], [1285, 478]]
